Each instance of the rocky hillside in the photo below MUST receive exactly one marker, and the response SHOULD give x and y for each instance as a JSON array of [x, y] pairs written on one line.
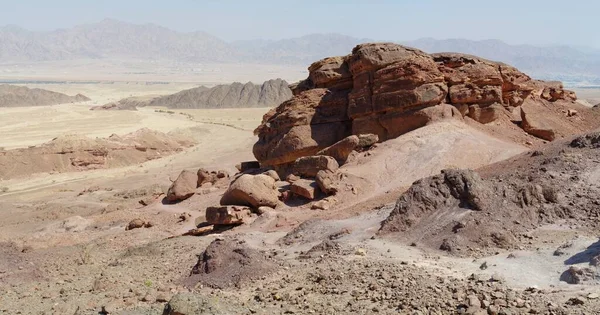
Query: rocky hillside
[[530, 189], [388, 90], [14, 96], [235, 95]]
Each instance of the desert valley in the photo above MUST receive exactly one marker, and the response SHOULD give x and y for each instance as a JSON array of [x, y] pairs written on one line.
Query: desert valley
[[366, 178]]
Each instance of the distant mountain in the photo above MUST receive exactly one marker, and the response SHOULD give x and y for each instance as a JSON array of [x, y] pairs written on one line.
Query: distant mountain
[[16, 96], [306, 49], [111, 39], [235, 95]]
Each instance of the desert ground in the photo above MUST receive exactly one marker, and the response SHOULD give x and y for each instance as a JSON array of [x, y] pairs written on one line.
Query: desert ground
[[65, 249]]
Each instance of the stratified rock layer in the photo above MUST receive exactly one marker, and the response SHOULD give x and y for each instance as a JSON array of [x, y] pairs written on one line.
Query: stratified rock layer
[[388, 90]]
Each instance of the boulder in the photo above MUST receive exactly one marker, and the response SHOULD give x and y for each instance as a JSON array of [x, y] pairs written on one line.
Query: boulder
[[183, 187], [309, 166], [327, 182], [229, 215], [341, 149], [535, 125], [251, 190], [305, 188]]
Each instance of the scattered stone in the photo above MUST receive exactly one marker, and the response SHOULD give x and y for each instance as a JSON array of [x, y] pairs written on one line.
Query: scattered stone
[[138, 223], [229, 215]]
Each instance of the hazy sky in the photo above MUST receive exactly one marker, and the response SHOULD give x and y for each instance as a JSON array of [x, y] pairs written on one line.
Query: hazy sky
[[572, 22]]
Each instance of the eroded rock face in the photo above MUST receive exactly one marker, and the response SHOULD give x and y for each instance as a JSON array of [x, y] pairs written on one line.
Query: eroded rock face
[[388, 90]]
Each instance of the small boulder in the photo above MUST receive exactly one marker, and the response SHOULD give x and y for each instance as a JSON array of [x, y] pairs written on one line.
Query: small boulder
[[367, 140], [253, 191], [305, 188], [309, 166], [326, 181], [229, 215], [341, 149], [183, 187]]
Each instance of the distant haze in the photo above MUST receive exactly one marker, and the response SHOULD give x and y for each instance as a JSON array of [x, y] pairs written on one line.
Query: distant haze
[[112, 39], [536, 22]]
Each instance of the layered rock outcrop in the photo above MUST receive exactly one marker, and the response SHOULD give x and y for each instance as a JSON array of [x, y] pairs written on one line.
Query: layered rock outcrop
[[387, 90]]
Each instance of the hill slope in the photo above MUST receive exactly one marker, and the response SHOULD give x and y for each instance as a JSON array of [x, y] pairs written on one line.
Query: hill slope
[[235, 95], [14, 96]]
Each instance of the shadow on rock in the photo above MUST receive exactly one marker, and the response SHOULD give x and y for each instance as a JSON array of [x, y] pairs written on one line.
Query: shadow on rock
[[585, 256]]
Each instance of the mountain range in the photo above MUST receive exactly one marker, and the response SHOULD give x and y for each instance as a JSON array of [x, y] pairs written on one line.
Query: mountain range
[[112, 39]]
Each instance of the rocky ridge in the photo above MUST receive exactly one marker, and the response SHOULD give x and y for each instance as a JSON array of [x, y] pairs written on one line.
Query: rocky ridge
[[16, 96], [235, 95]]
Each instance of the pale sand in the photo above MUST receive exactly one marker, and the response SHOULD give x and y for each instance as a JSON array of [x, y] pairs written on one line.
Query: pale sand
[[26, 126]]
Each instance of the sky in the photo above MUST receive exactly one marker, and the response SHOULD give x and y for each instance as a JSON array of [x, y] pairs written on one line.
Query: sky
[[536, 22]]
